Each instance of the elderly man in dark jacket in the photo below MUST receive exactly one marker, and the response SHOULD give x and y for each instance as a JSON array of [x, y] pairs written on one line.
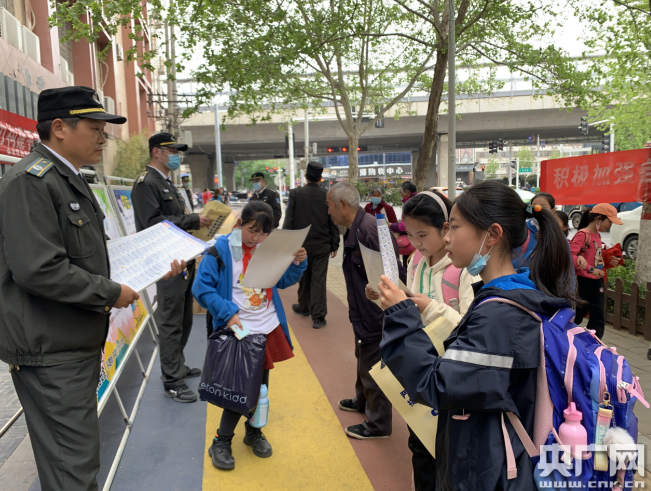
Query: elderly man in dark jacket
[[365, 316]]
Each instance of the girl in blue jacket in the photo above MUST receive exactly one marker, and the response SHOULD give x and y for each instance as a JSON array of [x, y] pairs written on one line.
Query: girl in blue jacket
[[218, 288], [492, 357]]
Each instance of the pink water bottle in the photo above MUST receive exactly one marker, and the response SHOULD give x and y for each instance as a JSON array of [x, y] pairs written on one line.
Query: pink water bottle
[[572, 432]]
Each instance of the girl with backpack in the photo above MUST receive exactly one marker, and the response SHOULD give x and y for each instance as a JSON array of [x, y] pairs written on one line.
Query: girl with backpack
[[589, 264], [492, 357], [546, 202], [218, 289], [439, 288]]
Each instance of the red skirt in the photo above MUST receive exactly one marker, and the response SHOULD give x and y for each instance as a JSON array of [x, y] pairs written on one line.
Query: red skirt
[[278, 348]]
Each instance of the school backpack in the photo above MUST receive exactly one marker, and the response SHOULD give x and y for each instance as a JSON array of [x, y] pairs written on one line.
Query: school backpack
[[449, 284], [575, 366]]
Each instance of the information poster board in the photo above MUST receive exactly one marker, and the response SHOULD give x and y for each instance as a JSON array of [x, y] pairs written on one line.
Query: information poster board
[[124, 204], [111, 226], [124, 329]]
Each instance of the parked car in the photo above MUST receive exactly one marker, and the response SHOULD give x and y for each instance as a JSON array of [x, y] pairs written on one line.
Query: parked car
[[628, 233]]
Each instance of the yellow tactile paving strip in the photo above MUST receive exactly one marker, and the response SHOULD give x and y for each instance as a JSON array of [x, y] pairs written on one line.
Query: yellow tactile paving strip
[[310, 450]]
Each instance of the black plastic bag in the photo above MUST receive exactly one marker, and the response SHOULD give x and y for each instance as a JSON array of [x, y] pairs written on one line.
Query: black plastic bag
[[232, 372]]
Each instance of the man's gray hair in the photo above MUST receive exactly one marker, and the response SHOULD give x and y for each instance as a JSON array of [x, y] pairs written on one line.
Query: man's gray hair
[[377, 189], [347, 192]]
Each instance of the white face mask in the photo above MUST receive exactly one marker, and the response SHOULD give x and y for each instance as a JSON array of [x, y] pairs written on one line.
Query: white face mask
[[478, 261], [236, 243]]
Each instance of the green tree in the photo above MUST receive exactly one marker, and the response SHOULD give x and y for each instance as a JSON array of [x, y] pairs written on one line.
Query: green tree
[[526, 158], [492, 167], [132, 156]]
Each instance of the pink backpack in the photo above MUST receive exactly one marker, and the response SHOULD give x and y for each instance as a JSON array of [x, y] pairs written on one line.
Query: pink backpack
[[450, 283]]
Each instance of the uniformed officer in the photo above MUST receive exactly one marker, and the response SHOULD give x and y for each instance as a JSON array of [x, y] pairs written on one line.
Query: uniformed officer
[[307, 206], [156, 199], [269, 196], [55, 287]]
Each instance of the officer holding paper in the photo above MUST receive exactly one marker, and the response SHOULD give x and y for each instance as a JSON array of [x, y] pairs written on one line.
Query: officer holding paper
[[55, 287], [156, 199]]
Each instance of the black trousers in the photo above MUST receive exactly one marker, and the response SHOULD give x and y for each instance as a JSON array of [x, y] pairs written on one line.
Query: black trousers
[[174, 320], [312, 285], [369, 398], [60, 404], [231, 418], [423, 463], [593, 292]]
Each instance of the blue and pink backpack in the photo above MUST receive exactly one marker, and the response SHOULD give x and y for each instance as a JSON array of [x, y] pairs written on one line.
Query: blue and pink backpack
[[575, 367]]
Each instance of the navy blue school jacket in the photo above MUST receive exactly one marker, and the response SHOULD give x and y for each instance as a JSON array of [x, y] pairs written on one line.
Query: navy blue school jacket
[[489, 367]]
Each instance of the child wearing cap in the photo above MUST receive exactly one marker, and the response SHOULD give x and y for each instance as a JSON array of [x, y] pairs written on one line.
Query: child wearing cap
[[589, 264]]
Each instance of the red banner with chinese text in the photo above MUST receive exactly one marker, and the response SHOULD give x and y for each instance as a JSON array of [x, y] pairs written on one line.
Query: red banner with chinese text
[[601, 178], [17, 133]]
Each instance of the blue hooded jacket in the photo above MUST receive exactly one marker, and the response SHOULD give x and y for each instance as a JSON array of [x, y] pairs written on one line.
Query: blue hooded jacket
[[213, 286]]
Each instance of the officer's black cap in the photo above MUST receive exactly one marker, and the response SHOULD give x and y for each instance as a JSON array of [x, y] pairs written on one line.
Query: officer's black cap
[[257, 175], [73, 102], [166, 140], [314, 171]]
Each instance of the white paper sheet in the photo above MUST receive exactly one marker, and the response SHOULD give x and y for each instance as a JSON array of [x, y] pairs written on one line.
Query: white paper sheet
[[142, 259], [374, 269], [389, 260], [272, 258]]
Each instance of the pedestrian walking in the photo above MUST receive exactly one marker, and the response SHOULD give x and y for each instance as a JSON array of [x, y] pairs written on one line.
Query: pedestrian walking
[[378, 205], [307, 207], [491, 359], [55, 287], [156, 199], [185, 182], [586, 247], [407, 191], [365, 316], [219, 289], [262, 193], [439, 290]]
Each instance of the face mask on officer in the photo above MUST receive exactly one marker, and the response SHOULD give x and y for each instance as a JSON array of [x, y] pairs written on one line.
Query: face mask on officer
[[257, 186], [173, 161]]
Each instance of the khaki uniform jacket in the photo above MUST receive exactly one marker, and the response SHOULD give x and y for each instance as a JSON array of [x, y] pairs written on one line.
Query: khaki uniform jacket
[[155, 200], [54, 270]]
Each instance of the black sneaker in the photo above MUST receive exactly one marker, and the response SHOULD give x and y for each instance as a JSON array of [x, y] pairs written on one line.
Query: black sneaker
[[192, 372], [361, 433], [319, 323], [348, 405], [297, 310], [221, 453], [182, 393], [257, 441]]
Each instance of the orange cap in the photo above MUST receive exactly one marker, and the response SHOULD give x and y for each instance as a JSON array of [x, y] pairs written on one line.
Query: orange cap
[[608, 210]]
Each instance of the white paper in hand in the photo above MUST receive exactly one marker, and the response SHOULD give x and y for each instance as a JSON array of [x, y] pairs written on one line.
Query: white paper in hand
[[389, 261], [375, 269], [272, 258]]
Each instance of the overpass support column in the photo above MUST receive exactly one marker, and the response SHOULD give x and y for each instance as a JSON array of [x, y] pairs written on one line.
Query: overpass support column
[[198, 168], [228, 174], [442, 156]]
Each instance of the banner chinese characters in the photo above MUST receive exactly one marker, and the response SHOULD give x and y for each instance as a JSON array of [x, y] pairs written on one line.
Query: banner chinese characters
[[17, 133], [601, 178]]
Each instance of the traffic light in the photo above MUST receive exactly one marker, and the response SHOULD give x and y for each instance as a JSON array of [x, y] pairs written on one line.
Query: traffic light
[[333, 149], [491, 147], [275, 169], [267, 168], [483, 168], [362, 149], [605, 144], [344, 149], [500, 144], [584, 125]]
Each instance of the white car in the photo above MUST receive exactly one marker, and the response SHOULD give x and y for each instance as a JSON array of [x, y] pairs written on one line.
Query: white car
[[627, 233]]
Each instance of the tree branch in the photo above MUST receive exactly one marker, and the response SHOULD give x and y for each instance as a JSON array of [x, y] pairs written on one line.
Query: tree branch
[[474, 20], [632, 7]]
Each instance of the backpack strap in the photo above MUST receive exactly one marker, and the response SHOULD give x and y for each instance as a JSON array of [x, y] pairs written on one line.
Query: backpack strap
[[450, 286], [511, 468], [212, 250]]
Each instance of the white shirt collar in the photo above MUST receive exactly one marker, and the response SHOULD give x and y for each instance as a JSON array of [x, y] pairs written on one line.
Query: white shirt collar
[[64, 160], [166, 177]]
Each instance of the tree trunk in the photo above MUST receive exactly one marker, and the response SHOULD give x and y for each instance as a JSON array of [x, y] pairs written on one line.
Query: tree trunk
[[431, 120], [353, 142], [643, 259]]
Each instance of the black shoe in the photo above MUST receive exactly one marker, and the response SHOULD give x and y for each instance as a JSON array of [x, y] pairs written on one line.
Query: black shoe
[[361, 433], [221, 453], [348, 405], [192, 372], [256, 440], [319, 323], [182, 393], [298, 311]]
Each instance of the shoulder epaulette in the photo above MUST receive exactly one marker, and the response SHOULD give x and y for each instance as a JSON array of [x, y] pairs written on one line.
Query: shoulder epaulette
[[142, 176], [39, 167]]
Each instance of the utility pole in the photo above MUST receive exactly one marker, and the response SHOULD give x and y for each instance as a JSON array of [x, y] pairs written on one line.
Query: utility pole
[[218, 146], [290, 136], [452, 109], [538, 164], [307, 146]]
